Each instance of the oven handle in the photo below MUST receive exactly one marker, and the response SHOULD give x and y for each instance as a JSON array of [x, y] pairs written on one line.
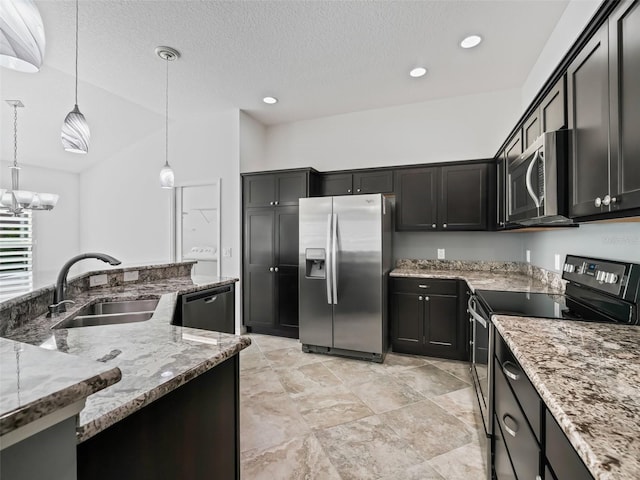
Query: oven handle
[[475, 315], [533, 194]]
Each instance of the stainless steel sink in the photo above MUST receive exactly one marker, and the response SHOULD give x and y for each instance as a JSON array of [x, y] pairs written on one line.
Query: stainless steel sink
[[109, 313]]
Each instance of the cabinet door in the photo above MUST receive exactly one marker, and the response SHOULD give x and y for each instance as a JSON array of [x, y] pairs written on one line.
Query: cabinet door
[[407, 323], [501, 189], [259, 280], [290, 187], [552, 109], [531, 129], [286, 241], [624, 39], [373, 182], [287, 299], [463, 197], [337, 184], [588, 110], [286, 229], [259, 190], [441, 325], [416, 198]]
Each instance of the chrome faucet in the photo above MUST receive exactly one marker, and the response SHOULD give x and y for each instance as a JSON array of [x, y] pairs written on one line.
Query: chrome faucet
[[59, 303]]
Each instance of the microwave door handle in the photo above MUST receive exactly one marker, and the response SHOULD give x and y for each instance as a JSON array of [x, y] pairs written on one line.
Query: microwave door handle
[[327, 260], [532, 194]]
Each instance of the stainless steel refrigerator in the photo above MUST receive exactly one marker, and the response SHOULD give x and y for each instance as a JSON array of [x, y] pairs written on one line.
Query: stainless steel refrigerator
[[345, 258]]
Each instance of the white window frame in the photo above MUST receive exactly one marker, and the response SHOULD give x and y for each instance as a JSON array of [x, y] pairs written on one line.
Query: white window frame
[[16, 254]]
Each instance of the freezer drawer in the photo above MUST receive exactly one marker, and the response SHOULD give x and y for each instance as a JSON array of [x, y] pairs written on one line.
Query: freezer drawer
[[212, 309]]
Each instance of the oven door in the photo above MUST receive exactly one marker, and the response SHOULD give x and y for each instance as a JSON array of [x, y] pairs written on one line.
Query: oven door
[[481, 354], [526, 185]]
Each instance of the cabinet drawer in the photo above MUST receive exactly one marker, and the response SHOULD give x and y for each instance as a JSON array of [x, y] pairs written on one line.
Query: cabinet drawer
[[424, 286], [564, 460], [519, 439], [525, 393], [503, 469]]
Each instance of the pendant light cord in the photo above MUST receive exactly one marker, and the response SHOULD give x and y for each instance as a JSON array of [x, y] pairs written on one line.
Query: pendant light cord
[[15, 135], [76, 52], [166, 116]]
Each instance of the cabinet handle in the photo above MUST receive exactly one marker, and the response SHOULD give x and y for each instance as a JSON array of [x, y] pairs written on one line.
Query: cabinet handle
[[358, 190], [426, 299], [511, 429], [348, 190], [598, 202], [210, 299], [275, 203], [271, 269], [420, 297], [508, 369], [422, 285], [608, 200], [270, 203], [433, 225], [444, 225], [275, 269]]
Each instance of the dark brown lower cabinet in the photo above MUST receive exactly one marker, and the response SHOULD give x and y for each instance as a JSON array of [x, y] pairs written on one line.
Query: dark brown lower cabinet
[[191, 432], [427, 318]]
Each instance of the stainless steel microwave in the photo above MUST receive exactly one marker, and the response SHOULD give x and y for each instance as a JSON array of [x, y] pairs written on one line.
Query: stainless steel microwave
[[537, 182]]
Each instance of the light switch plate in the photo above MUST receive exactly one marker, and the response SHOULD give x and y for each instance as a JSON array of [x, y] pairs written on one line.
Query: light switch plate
[[557, 261], [97, 280], [131, 276], [226, 252], [441, 254], [528, 256]]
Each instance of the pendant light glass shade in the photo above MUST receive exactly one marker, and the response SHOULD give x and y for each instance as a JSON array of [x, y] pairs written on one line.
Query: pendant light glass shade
[[166, 176], [22, 39], [75, 132]]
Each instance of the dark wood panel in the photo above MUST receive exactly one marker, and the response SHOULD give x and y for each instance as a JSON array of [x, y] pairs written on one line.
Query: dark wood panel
[[337, 184], [290, 187], [286, 236], [416, 198], [531, 129], [564, 460], [288, 297], [624, 57], [259, 259], [463, 197], [588, 108], [553, 108], [441, 325], [373, 182], [259, 190], [407, 323]]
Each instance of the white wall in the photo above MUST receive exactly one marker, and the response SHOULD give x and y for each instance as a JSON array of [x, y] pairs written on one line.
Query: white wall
[[571, 23], [56, 232], [458, 128], [253, 137], [125, 212]]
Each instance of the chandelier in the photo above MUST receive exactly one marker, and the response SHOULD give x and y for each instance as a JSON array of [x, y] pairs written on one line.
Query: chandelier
[[16, 200]]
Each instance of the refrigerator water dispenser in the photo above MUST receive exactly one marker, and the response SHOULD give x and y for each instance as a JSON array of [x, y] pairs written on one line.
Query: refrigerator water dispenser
[[315, 263]]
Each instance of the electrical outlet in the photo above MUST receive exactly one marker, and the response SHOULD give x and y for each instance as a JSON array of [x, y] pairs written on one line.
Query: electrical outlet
[[226, 252], [131, 276], [441, 254], [528, 256], [97, 280], [557, 261]]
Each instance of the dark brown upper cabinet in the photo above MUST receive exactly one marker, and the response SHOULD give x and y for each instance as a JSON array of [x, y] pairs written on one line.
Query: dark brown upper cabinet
[[624, 81], [552, 110], [275, 189], [348, 183], [439, 198], [603, 85], [501, 182]]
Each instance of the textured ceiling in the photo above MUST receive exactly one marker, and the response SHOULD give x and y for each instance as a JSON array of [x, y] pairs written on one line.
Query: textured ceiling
[[318, 57]]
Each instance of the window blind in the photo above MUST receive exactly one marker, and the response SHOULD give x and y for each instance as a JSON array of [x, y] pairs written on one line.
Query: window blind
[[16, 245]]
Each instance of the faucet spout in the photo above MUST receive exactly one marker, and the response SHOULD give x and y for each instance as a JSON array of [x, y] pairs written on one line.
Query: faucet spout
[[58, 295]]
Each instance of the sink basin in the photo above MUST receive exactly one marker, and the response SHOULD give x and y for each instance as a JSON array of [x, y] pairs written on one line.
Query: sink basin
[[110, 313]]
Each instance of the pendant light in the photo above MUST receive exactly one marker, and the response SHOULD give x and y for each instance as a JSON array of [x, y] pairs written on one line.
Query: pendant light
[[21, 36], [16, 200], [168, 54], [75, 130]]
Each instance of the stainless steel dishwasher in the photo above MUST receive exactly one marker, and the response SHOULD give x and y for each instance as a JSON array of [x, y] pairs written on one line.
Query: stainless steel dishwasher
[[212, 309]]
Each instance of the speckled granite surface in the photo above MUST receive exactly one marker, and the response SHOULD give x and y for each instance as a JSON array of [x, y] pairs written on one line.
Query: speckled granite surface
[[588, 374], [29, 392], [510, 276], [154, 356]]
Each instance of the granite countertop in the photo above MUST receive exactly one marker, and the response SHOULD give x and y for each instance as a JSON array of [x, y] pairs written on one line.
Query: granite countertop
[[483, 280], [588, 374], [154, 356], [29, 392]]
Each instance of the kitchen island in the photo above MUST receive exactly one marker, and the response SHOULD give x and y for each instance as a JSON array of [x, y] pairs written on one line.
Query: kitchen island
[[161, 364]]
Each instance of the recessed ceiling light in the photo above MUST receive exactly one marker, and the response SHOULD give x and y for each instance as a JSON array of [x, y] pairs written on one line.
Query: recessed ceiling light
[[471, 41], [418, 72], [270, 100]]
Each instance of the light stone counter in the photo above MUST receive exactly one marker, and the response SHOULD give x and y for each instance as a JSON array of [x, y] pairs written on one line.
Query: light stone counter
[[588, 374], [154, 356]]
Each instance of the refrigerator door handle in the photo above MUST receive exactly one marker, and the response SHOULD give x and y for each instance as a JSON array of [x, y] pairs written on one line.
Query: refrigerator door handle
[[328, 259], [334, 256]]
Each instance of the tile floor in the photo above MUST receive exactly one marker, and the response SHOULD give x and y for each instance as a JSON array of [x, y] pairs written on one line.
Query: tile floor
[[308, 416]]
